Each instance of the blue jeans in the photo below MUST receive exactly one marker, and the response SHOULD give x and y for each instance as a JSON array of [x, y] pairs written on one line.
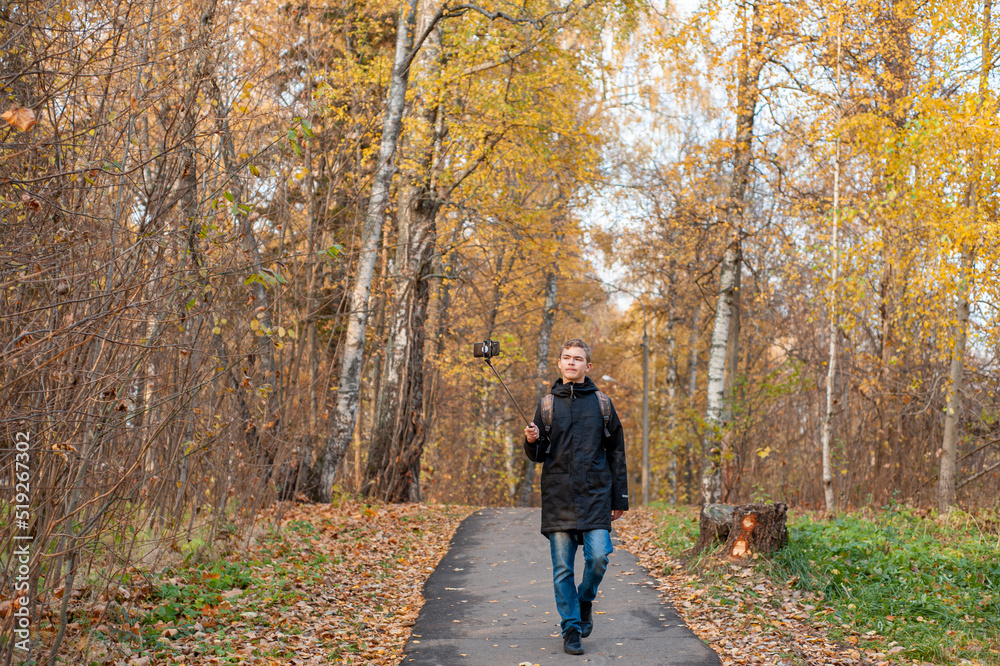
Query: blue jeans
[[596, 548]]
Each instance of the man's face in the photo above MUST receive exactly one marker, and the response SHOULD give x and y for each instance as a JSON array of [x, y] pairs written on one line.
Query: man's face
[[573, 365]]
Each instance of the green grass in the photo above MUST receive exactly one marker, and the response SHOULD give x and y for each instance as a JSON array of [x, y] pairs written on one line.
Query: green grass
[[931, 586]]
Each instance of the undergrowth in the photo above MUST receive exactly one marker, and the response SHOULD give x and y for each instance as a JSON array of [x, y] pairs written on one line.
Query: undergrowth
[[929, 586], [336, 583]]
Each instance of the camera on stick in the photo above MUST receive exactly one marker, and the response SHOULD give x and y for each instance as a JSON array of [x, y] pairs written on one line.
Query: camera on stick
[[487, 349]]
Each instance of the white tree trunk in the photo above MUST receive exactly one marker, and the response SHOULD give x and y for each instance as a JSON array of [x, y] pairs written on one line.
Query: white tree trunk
[[747, 93], [949, 444], [346, 411], [831, 373], [396, 441], [831, 363], [711, 478]]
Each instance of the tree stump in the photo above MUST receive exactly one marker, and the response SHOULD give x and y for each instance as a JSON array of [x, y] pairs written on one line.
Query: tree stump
[[714, 525], [747, 529]]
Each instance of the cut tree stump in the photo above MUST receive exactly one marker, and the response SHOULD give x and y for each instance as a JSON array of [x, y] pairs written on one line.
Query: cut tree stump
[[747, 529], [714, 525]]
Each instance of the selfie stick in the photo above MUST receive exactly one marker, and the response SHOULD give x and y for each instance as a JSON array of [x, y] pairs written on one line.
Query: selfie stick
[[487, 359]]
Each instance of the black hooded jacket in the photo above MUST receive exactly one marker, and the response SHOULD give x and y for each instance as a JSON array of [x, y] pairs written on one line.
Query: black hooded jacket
[[583, 476]]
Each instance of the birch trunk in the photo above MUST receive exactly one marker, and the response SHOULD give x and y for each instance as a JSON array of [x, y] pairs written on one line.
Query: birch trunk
[[949, 445], [541, 375], [393, 469], [346, 410], [731, 373], [733, 340], [711, 479], [831, 364], [749, 69]]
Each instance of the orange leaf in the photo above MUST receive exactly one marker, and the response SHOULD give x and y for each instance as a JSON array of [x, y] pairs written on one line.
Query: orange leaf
[[21, 118]]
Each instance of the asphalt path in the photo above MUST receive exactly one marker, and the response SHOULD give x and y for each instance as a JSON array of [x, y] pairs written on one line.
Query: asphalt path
[[490, 602]]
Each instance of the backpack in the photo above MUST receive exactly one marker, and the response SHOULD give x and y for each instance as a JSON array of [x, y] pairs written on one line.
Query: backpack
[[602, 398]]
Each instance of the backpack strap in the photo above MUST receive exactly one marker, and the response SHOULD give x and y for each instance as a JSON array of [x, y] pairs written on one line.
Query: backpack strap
[[547, 412], [605, 402], [602, 399]]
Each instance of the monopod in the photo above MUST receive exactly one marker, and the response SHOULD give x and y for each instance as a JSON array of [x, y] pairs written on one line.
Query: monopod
[[486, 351]]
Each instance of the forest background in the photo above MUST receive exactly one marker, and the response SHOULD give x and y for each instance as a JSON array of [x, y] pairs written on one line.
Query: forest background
[[247, 247]]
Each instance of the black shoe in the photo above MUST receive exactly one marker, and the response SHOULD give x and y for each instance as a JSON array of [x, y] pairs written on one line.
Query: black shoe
[[586, 618], [571, 642]]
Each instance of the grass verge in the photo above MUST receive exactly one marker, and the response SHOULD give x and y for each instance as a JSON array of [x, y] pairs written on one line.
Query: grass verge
[[897, 584]]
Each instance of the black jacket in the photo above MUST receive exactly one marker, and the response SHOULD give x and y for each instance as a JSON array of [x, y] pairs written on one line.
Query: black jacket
[[583, 477]]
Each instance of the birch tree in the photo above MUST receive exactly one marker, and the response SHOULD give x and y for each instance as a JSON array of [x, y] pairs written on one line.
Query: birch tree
[[466, 147], [393, 470], [967, 253], [348, 390], [834, 331], [750, 64]]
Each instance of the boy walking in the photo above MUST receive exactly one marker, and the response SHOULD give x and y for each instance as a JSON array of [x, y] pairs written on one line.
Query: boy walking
[[584, 485]]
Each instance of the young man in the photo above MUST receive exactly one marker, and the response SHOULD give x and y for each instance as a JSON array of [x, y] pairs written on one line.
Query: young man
[[584, 485]]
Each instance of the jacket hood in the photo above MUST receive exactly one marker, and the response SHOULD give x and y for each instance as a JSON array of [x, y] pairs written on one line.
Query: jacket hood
[[562, 390]]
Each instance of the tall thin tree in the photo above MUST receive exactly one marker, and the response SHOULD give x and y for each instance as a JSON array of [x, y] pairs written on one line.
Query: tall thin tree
[[747, 94], [833, 332], [949, 444], [348, 390]]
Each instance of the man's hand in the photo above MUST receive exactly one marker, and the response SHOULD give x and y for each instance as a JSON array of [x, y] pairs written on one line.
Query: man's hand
[[531, 433], [616, 514]]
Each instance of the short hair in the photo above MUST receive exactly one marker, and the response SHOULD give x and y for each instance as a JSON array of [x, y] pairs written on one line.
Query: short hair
[[577, 342]]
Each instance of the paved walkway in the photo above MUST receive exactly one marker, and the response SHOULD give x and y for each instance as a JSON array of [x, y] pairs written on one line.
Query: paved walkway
[[490, 603]]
